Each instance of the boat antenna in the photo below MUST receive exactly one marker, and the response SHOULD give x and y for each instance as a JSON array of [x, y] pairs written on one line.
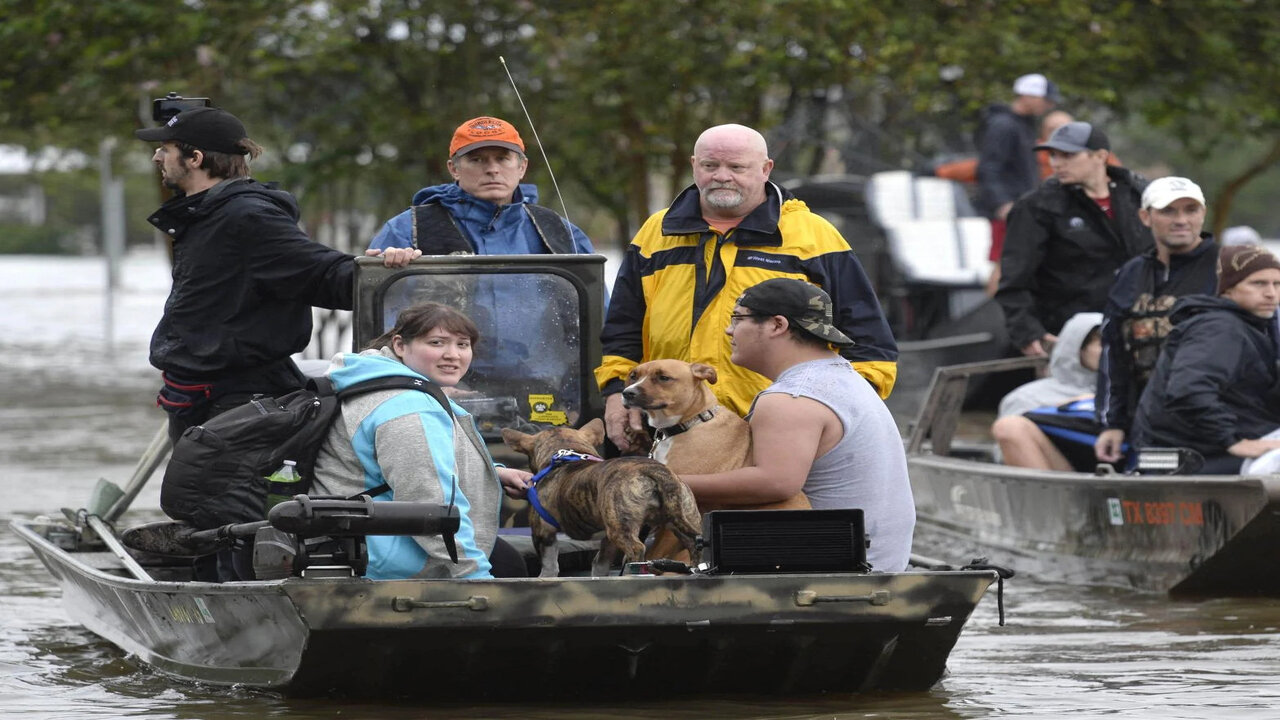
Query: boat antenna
[[541, 149]]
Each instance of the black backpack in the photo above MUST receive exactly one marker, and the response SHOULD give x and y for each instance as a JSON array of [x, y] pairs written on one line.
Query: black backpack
[[217, 474]]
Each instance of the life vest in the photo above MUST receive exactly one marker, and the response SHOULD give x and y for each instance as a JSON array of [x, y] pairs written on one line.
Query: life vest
[[435, 232], [1073, 428]]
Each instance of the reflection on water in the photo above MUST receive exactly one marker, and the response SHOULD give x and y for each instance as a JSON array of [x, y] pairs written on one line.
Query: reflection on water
[[73, 411]]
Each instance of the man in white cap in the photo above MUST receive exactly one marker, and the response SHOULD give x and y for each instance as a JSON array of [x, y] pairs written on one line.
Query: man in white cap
[[1241, 235], [1068, 237], [1007, 165], [1136, 318]]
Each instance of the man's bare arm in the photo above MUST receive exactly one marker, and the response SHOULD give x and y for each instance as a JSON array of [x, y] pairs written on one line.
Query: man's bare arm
[[785, 436]]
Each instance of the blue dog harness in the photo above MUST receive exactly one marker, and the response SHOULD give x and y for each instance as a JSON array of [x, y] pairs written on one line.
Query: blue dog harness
[[562, 457]]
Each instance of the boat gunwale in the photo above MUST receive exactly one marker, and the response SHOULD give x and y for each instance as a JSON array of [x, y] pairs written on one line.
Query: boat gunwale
[[1269, 484], [24, 529]]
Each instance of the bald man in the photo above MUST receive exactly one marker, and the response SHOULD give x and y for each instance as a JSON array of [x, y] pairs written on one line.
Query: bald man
[[684, 270]]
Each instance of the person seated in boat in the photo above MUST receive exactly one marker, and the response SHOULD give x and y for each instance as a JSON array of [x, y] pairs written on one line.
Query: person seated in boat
[[820, 427], [1136, 318], [1048, 424], [405, 439], [1215, 388]]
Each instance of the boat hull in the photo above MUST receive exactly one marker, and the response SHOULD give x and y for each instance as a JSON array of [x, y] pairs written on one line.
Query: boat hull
[[506, 639], [1194, 536]]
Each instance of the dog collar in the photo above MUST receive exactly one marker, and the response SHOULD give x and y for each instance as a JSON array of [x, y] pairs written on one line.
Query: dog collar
[[562, 457], [663, 433]]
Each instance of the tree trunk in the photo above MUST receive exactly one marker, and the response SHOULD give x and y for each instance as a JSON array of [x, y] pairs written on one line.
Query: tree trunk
[[1226, 196]]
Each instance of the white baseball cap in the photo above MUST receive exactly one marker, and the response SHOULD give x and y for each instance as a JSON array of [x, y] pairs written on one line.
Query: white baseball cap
[[1241, 235], [1165, 190], [1036, 85]]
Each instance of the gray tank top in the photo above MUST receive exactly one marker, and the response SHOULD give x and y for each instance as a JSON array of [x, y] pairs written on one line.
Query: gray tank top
[[868, 468]]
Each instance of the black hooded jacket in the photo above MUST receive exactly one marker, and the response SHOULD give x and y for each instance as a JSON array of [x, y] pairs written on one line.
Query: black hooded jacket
[[1215, 382], [1061, 253], [1136, 322], [245, 278], [1007, 165]]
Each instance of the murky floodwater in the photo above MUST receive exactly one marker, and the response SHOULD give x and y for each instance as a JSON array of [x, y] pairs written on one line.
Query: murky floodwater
[[73, 410]]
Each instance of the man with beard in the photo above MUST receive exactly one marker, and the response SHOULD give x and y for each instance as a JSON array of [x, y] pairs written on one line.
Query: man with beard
[[686, 267], [245, 276]]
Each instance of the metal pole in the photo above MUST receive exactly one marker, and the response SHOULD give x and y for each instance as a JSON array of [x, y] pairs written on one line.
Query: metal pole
[[112, 213]]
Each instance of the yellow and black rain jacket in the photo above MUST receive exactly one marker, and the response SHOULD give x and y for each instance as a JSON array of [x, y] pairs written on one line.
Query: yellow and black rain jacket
[[680, 280]]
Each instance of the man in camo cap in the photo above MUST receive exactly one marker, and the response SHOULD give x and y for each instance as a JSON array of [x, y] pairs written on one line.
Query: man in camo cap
[[820, 427]]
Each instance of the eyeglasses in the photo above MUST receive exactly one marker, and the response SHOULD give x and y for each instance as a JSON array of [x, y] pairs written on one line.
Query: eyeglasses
[[733, 319]]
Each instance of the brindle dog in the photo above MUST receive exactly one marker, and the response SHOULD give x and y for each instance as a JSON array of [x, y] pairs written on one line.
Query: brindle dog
[[618, 496], [695, 434]]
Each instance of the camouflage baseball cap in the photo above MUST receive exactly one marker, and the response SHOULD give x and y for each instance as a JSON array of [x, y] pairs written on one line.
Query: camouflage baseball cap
[[805, 305]]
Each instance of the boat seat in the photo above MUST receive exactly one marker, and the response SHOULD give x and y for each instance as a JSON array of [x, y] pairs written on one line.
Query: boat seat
[[933, 234], [575, 555], [942, 252], [897, 196]]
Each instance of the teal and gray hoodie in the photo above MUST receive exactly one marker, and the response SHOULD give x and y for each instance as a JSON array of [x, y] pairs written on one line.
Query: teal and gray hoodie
[[405, 439]]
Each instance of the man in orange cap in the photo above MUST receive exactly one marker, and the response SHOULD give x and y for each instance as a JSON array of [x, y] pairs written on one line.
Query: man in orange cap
[[486, 210]]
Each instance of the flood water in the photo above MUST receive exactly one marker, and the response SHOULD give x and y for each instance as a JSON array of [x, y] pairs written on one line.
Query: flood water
[[73, 409]]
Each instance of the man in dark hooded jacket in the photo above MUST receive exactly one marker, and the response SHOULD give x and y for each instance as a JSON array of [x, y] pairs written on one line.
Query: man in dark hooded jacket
[[1214, 388], [1006, 163], [245, 276], [1183, 262], [1007, 166]]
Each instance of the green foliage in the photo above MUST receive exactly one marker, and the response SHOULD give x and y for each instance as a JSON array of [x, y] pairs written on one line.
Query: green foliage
[[73, 212], [34, 239], [356, 100]]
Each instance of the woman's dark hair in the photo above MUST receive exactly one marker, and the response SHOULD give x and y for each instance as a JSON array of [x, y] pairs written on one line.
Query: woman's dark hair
[[224, 165], [420, 319]]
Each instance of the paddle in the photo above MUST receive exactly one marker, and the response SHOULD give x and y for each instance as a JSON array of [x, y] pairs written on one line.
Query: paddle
[[108, 501]]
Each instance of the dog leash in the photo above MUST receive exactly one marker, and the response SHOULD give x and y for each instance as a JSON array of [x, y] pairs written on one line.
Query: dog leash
[[663, 433], [562, 457]]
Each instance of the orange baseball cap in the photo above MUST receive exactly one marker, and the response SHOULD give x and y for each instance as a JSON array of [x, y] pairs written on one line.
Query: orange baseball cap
[[483, 132]]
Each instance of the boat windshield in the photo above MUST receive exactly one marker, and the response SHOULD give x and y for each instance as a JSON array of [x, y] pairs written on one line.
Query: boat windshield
[[534, 360]]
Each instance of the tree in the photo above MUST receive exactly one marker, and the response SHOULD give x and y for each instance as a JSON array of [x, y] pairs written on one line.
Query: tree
[[355, 100]]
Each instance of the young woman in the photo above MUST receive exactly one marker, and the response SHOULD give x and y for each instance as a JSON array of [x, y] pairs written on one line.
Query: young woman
[[404, 438]]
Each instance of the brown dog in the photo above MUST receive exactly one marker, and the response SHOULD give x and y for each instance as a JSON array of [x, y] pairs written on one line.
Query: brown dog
[[585, 496], [693, 433]]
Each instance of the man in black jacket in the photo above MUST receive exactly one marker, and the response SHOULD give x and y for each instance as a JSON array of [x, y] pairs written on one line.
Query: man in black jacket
[[1136, 319], [245, 276], [1215, 387], [1068, 237], [1007, 165]]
